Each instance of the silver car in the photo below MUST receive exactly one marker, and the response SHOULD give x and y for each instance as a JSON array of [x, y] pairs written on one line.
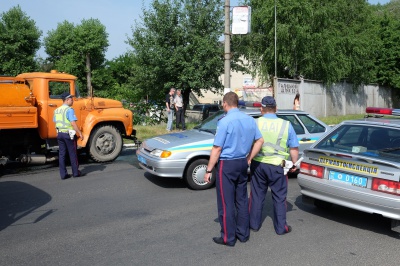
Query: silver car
[[356, 165], [186, 154]]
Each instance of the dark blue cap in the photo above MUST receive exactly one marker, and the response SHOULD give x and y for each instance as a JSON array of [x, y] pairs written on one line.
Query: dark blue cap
[[65, 95], [268, 101]]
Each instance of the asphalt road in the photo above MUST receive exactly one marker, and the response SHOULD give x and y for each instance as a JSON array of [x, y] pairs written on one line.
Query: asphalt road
[[119, 215]]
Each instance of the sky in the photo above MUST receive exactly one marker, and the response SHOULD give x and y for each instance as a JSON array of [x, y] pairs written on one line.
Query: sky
[[118, 16]]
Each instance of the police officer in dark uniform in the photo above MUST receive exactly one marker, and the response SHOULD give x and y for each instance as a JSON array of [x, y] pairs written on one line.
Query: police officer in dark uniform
[[267, 168], [65, 120], [236, 133]]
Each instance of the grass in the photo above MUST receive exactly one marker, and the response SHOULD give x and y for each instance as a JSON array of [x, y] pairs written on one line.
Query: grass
[[145, 132], [333, 120]]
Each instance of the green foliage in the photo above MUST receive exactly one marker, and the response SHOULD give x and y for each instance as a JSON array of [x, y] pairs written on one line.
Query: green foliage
[[177, 45], [388, 59], [68, 46], [334, 120], [321, 40], [115, 80], [19, 42], [146, 113]]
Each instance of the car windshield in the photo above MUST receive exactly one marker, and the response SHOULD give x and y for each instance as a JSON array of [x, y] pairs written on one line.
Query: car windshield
[[210, 124], [366, 140]]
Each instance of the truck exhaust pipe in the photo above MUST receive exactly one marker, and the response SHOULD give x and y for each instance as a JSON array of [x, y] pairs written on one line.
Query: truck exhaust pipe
[[36, 159]]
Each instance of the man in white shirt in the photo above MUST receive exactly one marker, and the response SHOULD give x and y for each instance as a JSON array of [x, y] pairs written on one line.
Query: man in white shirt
[[180, 114]]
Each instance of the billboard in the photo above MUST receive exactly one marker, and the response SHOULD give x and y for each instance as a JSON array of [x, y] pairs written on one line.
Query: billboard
[[241, 19]]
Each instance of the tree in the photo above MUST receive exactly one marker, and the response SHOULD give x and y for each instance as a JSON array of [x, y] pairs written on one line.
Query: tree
[[177, 45], [78, 49], [19, 42], [388, 59], [114, 80], [322, 40]]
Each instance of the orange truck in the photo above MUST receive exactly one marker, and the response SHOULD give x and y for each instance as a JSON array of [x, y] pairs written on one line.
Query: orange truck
[[27, 130]]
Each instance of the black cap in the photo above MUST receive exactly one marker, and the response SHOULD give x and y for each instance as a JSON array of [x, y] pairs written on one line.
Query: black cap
[[268, 101], [65, 95]]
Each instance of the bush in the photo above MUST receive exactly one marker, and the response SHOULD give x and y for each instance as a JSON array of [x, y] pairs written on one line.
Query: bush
[[147, 113]]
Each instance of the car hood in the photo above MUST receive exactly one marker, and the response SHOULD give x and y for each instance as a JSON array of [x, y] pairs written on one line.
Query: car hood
[[190, 139]]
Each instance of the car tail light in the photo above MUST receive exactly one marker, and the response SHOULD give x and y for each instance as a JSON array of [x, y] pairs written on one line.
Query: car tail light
[[257, 104], [312, 170], [386, 186]]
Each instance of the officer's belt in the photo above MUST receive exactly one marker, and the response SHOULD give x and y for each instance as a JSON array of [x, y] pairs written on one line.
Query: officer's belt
[[63, 131]]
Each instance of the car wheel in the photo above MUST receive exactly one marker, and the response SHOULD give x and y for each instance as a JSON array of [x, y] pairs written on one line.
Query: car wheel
[[105, 144], [195, 175], [320, 204]]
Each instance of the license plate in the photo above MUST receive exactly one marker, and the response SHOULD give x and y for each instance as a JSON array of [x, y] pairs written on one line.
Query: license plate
[[141, 159], [348, 178]]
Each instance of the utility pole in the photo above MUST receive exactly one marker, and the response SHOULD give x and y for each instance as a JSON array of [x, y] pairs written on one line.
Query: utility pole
[[227, 49], [276, 65]]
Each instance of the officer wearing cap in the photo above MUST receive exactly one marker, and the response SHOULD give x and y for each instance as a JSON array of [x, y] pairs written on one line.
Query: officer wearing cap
[[236, 133], [65, 120], [280, 140]]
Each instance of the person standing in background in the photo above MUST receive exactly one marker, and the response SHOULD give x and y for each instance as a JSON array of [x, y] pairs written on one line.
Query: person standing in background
[[296, 102], [169, 102], [180, 114], [65, 120]]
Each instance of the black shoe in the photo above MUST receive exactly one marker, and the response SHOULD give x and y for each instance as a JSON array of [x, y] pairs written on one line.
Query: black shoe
[[66, 177], [254, 230], [80, 174], [243, 241], [220, 241], [288, 229]]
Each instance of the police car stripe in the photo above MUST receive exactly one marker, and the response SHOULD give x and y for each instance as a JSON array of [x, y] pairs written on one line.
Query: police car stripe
[[192, 148]]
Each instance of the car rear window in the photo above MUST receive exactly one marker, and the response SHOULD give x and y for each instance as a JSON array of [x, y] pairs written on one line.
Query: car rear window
[[367, 140]]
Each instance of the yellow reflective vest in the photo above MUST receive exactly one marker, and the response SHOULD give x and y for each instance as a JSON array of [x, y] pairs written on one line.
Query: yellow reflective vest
[[60, 115], [275, 133]]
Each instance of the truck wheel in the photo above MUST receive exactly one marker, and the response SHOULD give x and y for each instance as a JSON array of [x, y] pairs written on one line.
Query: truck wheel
[[105, 144], [195, 175]]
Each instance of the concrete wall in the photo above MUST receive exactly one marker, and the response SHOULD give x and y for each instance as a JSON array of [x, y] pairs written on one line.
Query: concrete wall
[[338, 99]]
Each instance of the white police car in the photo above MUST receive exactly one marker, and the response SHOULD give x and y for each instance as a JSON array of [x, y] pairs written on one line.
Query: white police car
[[186, 154], [356, 165]]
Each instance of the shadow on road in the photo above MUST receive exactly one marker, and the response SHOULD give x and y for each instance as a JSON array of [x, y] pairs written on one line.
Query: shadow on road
[[165, 182], [371, 222], [18, 199]]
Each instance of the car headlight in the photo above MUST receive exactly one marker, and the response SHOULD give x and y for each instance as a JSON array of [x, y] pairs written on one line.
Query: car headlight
[[161, 153]]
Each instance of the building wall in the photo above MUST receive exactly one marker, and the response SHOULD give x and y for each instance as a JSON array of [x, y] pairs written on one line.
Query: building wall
[[247, 88], [336, 100], [315, 98]]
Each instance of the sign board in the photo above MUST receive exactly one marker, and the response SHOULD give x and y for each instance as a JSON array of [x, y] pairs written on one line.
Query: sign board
[[241, 19], [248, 83], [288, 88]]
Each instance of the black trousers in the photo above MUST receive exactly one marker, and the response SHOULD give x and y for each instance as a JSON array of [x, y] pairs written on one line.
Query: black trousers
[[180, 118]]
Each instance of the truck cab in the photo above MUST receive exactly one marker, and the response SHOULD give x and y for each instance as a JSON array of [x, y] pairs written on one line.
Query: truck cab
[[103, 122]]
